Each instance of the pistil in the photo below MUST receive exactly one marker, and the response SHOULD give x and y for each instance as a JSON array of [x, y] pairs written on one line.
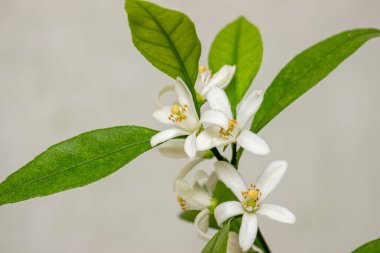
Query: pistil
[[178, 113], [251, 198]]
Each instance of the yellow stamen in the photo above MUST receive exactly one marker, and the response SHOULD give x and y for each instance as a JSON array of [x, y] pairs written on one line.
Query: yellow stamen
[[227, 133], [202, 69], [182, 202], [178, 113]]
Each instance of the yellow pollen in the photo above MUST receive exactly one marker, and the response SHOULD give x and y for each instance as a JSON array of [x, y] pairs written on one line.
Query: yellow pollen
[[181, 202], [227, 133], [178, 113], [202, 69]]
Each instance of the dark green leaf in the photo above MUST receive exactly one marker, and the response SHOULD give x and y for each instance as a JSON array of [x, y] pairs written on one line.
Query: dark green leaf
[[235, 224], [218, 243], [76, 162], [222, 193], [306, 70], [166, 38], [189, 215], [239, 44], [369, 247]]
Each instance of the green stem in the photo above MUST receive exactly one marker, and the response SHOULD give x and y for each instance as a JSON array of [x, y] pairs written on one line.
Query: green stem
[[234, 155], [238, 156], [218, 155], [263, 244]]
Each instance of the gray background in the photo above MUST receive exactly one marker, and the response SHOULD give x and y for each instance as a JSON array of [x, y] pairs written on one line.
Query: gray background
[[69, 66]]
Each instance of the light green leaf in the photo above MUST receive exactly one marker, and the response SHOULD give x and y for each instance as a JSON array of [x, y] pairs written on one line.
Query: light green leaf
[[166, 38], [306, 70], [76, 162], [239, 44], [369, 247], [218, 243]]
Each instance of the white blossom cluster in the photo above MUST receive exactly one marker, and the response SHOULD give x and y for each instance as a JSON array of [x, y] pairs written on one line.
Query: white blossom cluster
[[217, 127]]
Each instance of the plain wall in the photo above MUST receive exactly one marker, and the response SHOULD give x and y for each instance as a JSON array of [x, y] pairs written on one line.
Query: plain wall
[[67, 67]]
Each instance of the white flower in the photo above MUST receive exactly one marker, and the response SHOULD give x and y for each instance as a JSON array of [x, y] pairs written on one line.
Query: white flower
[[182, 118], [224, 129], [220, 79], [175, 149], [198, 196], [250, 200]]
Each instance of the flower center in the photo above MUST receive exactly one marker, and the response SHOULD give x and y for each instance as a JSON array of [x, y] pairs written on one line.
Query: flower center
[[251, 198], [178, 113], [226, 133]]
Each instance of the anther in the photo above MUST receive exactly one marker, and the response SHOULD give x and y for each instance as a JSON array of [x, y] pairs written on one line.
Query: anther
[[202, 69]]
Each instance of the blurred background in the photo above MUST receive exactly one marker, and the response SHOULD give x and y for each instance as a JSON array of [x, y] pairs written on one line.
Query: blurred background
[[67, 67]]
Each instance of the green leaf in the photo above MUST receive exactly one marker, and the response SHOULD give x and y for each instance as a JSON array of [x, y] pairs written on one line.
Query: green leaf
[[222, 193], [218, 243], [239, 44], [369, 247], [76, 162], [166, 38], [306, 70]]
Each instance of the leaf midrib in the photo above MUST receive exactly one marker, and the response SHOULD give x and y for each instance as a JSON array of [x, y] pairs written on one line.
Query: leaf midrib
[[188, 81], [172, 46], [306, 73], [74, 166]]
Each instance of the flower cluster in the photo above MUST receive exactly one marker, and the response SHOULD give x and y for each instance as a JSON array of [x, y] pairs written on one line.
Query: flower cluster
[[199, 137]]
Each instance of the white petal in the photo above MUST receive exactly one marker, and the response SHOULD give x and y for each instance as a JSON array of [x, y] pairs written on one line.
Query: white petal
[[199, 175], [167, 135], [216, 118], [162, 115], [173, 149], [253, 143], [187, 169], [184, 96], [190, 145], [248, 231], [270, 177], [233, 243], [226, 210], [189, 124], [184, 189], [220, 79], [201, 224], [197, 198], [209, 138], [163, 91], [257, 249], [277, 213], [248, 107], [218, 100], [231, 178], [211, 182]]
